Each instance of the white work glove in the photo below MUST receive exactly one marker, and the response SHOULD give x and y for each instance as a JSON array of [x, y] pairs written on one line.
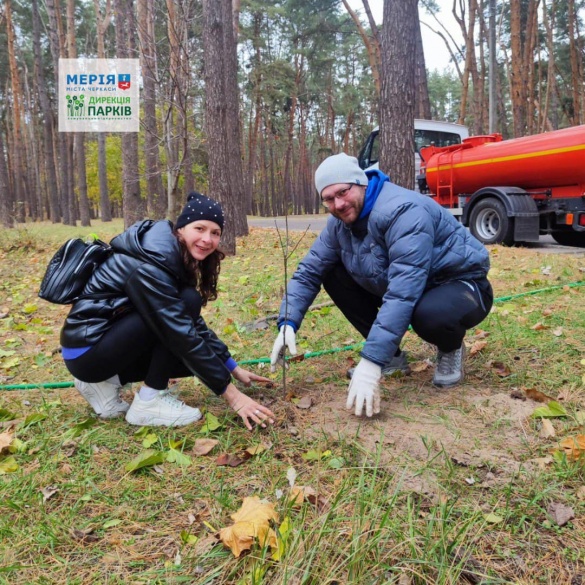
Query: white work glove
[[364, 387], [286, 337]]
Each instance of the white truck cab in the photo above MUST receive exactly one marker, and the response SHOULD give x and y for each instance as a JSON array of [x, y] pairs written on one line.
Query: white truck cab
[[426, 132]]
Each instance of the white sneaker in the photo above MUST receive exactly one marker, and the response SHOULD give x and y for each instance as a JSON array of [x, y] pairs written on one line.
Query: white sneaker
[[163, 410], [103, 397]]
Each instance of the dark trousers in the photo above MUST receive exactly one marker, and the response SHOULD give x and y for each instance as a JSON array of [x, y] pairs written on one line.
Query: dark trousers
[[134, 352], [441, 316]]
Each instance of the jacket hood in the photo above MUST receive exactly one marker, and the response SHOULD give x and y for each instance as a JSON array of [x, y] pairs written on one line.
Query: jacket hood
[[376, 180], [152, 242]]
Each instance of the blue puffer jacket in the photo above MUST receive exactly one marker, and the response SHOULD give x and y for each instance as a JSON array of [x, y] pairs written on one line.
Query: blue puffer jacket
[[410, 244]]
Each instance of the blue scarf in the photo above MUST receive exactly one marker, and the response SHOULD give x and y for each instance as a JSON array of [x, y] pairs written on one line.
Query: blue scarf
[[376, 180]]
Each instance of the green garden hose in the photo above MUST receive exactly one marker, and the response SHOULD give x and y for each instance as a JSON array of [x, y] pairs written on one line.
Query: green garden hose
[[310, 354]]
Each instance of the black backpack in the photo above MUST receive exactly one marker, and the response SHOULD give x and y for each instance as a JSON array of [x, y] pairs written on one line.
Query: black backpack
[[70, 268]]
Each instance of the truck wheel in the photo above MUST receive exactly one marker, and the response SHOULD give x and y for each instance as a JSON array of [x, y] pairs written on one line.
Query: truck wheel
[[489, 223], [575, 239]]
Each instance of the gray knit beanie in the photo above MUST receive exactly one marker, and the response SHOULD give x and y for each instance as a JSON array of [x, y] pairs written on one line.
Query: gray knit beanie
[[339, 168]]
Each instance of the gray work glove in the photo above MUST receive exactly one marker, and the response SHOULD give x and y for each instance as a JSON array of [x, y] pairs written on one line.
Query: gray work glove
[[364, 388], [286, 337]]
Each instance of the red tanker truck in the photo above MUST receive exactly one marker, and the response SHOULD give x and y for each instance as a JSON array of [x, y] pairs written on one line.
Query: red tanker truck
[[510, 191]]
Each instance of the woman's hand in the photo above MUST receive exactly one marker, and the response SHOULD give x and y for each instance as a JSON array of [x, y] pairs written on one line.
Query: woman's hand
[[246, 377], [247, 408]]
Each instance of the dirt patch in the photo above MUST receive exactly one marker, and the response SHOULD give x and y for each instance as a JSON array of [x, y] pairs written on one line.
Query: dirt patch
[[474, 426]]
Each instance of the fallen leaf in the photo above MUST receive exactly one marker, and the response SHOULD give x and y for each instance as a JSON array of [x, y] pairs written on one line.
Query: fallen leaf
[[211, 423], [175, 456], [251, 521], [85, 535], [149, 440], [49, 492], [560, 513], [299, 493], [537, 396], [558, 332], [229, 459], [420, 366], [539, 326], [305, 402], [547, 429], [291, 476], [257, 449], [204, 446], [8, 465], [552, 410], [492, 518], [574, 447], [477, 347], [147, 458], [501, 369], [581, 492], [480, 334], [542, 462], [5, 441]]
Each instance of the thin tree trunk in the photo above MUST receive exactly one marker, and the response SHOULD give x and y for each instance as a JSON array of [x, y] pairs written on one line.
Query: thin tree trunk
[[101, 26], [422, 108], [57, 44], [6, 193], [576, 76], [155, 193], [133, 206], [79, 137], [48, 120], [16, 107], [370, 44]]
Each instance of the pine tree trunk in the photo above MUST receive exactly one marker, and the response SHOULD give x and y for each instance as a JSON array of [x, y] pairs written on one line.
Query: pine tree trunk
[[79, 137], [133, 206], [422, 108], [576, 69], [101, 26], [48, 121], [6, 193], [17, 137], [397, 93], [57, 44], [234, 142], [155, 194], [222, 118]]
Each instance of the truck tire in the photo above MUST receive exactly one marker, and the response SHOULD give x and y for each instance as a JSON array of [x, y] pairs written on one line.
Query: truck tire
[[575, 239], [489, 223]]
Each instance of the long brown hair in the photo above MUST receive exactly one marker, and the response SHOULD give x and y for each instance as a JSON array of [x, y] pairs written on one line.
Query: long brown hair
[[204, 274]]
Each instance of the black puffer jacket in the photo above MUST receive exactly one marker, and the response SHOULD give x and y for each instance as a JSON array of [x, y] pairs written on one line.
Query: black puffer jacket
[[145, 274]]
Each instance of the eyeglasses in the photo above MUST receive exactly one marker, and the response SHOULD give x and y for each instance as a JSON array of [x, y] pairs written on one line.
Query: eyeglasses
[[328, 201]]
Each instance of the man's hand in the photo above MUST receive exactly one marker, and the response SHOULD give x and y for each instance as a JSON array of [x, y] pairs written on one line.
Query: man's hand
[[286, 337], [364, 387]]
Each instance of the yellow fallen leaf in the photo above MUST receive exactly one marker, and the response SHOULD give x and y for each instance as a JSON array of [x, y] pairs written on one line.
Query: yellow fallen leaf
[[574, 447], [257, 449], [299, 493], [252, 520]]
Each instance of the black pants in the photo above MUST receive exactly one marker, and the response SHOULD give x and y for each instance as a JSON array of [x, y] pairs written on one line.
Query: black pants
[[134, 352], [441, 316]]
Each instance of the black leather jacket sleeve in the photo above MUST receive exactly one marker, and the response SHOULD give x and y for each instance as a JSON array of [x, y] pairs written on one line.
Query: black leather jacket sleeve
[[154, 294]]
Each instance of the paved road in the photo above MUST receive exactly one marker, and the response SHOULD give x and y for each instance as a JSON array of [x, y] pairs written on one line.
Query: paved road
[[315, 223]]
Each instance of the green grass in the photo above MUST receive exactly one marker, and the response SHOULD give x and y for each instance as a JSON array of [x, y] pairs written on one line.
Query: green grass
[[443, 487]]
